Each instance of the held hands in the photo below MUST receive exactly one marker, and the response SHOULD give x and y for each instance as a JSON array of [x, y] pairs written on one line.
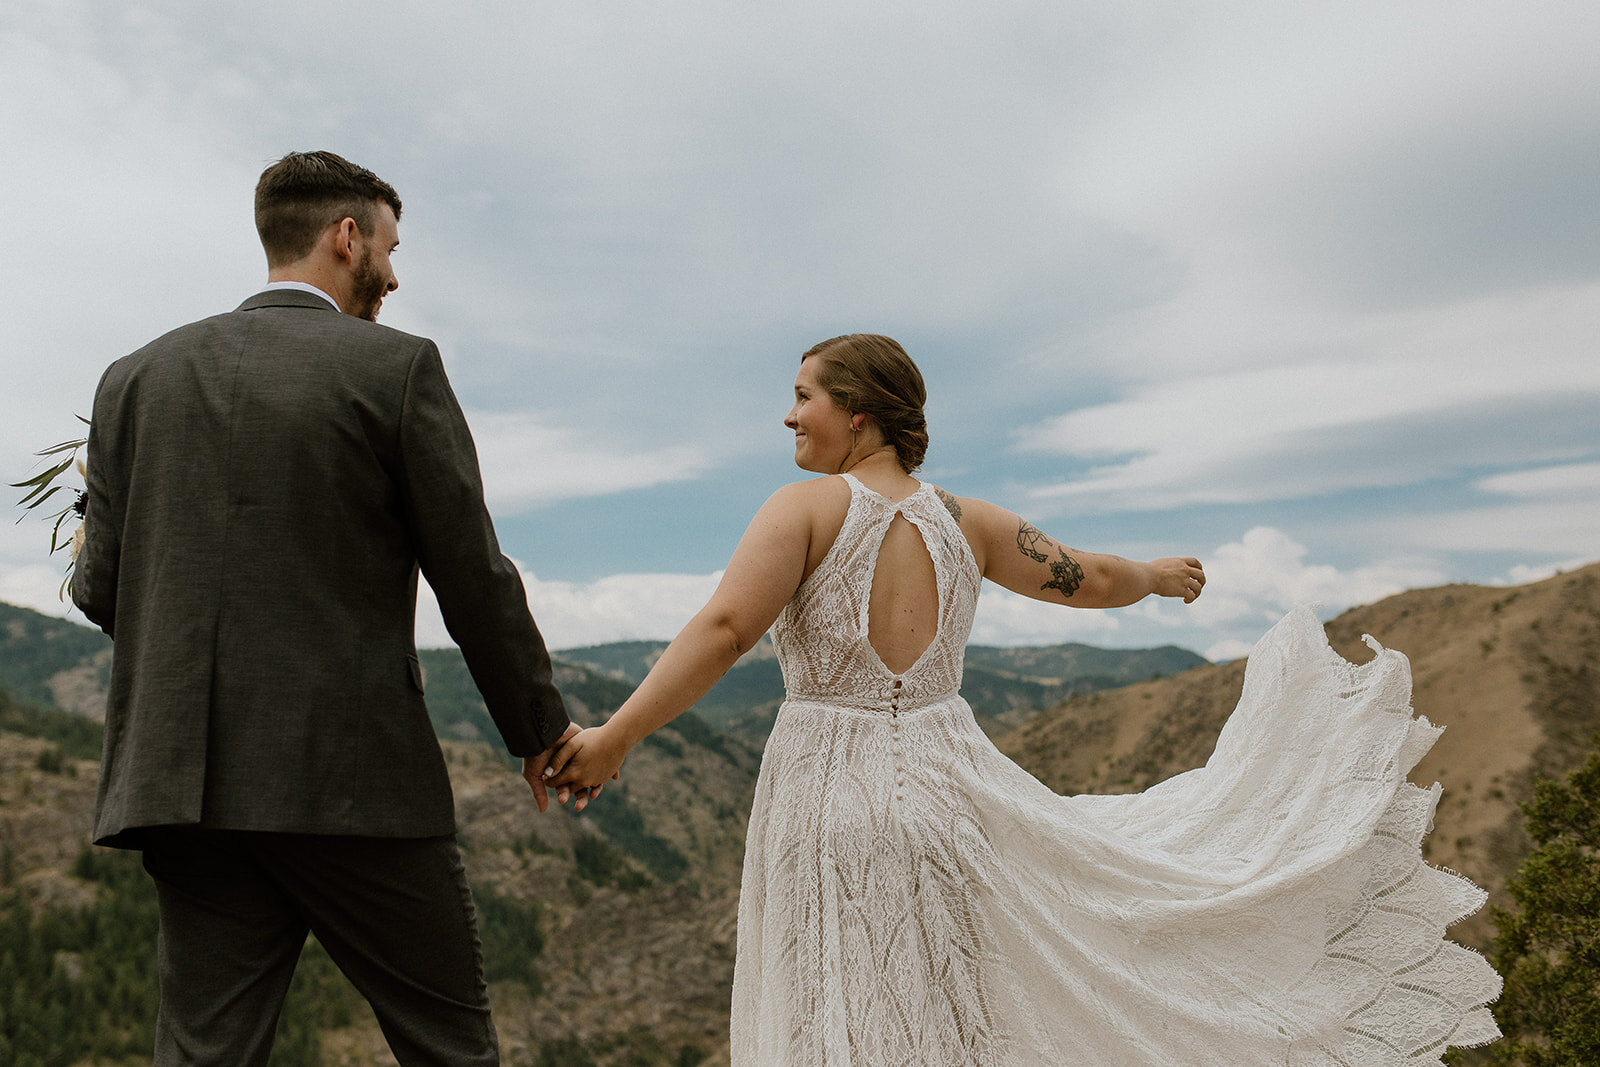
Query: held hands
[[1178, 576], [583, 764], [533, 767]]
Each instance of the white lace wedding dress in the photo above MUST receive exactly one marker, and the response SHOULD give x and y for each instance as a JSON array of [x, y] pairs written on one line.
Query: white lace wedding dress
[[911, 896]]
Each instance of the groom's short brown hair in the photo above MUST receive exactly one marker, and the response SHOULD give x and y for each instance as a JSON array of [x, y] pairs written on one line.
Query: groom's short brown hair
[[304, 193]]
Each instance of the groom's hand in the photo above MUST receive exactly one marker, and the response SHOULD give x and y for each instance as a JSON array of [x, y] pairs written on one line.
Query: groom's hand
[[583, 766], [533, 767]]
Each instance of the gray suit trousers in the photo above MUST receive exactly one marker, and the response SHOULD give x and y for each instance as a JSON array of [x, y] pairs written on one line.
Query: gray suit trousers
[[395, 914]]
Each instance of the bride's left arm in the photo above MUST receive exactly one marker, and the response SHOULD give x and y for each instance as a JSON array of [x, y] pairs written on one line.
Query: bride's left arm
[[763, 574], [1014, 553]]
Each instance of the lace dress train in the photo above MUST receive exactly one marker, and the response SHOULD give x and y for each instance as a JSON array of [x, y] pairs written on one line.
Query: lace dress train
[[911, 896]]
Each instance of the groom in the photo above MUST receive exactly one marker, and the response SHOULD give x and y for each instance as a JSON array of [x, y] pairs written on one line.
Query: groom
[[263, 487]]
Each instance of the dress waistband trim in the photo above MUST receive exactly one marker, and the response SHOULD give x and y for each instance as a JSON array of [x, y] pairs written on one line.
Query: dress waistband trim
[[888, 706]]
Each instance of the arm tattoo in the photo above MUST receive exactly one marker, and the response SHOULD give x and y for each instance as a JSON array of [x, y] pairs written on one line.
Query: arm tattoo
[[1065, 574], [950, 503], [1028, 541]]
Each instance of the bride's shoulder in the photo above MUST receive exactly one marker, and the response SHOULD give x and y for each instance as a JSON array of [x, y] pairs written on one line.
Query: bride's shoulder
[[828, 490], [820, 503]]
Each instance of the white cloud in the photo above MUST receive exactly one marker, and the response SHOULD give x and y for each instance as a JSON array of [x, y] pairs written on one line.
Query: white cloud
[[29, 575], [1005, 618], [1250, 584], [1568, 480], [1351, 137], [1265, 573], [120, 220], [527, 462], [618, 607], [1412, 396], [36, 586], [1551, 527], [1371, 247], [1552, 511]]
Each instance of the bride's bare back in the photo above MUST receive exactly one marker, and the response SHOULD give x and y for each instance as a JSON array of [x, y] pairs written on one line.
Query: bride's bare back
[[903, 611]]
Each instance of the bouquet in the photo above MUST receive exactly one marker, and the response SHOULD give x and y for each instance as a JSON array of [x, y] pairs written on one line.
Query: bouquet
[[43, 486]]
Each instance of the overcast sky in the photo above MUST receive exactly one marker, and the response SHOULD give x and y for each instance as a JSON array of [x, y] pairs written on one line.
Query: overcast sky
[[1310, 290]]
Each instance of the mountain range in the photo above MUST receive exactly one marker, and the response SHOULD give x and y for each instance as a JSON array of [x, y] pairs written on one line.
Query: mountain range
[[609, 936]]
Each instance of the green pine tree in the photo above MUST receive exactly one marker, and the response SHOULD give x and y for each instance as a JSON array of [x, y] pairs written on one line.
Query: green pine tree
[[1549, 948]]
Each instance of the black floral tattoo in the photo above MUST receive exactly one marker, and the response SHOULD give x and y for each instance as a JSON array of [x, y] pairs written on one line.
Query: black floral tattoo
[[951, 505], [1029, 539], [1065, 574]]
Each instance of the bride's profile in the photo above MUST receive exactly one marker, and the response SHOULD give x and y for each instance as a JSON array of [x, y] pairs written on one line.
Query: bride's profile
[[911, 896]]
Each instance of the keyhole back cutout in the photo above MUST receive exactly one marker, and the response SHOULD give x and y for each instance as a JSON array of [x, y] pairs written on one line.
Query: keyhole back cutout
[[903, 607]]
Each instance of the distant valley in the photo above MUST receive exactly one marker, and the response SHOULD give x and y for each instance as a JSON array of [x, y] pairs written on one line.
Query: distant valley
[[1005, 686], [609, 935]]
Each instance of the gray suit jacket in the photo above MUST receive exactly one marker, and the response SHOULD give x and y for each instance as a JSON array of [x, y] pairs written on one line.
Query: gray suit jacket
[[263, 486]]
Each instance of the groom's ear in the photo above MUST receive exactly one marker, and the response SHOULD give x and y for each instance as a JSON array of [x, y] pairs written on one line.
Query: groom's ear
[[344, 234]]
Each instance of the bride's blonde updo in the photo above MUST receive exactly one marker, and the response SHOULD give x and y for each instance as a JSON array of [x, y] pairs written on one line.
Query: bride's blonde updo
[[872, 374]]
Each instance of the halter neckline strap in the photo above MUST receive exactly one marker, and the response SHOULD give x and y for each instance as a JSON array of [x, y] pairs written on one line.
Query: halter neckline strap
[[859, 484]]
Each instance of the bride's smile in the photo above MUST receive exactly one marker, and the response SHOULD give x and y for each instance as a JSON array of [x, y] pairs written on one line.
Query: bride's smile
[[822, 435]]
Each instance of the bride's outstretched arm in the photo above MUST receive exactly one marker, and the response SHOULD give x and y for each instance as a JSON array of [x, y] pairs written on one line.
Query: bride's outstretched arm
[[1015, 554], [763, 574]]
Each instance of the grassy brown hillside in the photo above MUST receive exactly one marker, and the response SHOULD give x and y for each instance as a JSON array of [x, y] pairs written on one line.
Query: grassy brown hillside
[[608, 937], [631, 962], [1512, 673]]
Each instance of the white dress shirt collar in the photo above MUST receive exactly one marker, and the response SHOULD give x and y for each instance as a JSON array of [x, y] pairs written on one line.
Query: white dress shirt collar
[[304, 287]]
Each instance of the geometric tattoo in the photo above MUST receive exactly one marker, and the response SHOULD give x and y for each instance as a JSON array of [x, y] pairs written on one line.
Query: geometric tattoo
[[950, 503], [1066, 574], [1029, 540]]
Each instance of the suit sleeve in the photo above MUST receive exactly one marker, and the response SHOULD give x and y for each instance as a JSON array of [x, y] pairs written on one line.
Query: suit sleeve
[[481, 595], [94, 575]]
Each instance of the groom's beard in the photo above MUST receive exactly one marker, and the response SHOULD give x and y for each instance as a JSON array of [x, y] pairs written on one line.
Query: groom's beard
[[367, 289]]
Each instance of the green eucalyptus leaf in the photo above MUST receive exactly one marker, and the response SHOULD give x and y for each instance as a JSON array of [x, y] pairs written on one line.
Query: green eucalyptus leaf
[[42, 493], [44, 477]]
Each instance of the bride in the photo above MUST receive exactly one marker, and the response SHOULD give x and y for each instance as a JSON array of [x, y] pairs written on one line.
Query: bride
[[911, 896]]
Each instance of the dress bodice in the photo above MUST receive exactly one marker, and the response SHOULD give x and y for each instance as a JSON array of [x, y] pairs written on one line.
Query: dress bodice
[[821, 634]]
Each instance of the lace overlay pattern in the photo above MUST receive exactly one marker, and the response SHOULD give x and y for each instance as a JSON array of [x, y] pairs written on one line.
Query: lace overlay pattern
[[911, 896]]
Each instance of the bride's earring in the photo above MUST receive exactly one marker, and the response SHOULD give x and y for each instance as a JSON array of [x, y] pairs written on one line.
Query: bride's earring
[[854, 429]]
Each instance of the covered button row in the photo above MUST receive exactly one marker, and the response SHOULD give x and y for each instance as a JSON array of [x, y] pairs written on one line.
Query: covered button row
[[899, 768]]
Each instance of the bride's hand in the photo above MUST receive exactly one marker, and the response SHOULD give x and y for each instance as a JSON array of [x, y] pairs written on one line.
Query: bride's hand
[[1179, 576], [584, 764]]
